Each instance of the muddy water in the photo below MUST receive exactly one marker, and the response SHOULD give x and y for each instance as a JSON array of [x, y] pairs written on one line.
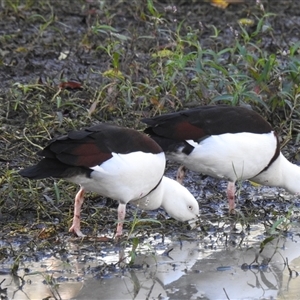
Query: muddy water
[[217, 266]]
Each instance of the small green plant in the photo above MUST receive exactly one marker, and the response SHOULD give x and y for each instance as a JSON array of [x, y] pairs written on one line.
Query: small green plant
[[17, 5], [134, 241], [136, 222], [282, 223]]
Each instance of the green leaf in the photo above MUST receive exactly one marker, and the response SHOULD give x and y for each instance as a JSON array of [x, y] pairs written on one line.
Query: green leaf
[[266, 241], [225, 97]]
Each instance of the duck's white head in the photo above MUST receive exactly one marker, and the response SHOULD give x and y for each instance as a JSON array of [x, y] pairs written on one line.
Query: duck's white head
[[177, 201], [174, 198]]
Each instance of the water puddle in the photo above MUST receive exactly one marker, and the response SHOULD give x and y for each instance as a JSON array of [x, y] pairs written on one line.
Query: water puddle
[[229, 264]]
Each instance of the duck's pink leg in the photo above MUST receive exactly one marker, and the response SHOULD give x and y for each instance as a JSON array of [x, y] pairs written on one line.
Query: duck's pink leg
[[77, 208], [181, 173], [121, 218], [231, 195]]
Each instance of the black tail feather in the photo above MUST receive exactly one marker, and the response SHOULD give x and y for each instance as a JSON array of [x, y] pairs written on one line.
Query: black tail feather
[[168, 145], [49, 167]]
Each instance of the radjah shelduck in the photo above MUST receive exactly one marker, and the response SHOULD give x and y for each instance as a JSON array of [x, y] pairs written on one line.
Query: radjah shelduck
[[227, 142], [115, 162]]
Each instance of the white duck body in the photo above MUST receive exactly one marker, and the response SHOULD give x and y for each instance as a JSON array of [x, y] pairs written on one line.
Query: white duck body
[[116, 162], [229, 142], [112, 178], [229, 156], [147, 189]]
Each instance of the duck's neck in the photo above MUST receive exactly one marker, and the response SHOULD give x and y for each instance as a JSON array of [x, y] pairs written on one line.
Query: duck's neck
[[281, 173], [153, 200]]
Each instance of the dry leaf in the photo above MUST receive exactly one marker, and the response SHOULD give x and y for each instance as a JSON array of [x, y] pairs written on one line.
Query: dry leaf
[[224, 3], [73, 85]]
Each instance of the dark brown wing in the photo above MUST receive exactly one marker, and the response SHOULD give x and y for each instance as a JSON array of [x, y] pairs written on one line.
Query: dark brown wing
[[197, 123], [78, 151], [94, 145]]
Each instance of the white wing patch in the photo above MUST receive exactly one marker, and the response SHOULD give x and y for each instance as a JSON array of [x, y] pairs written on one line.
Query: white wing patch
[[192, 143]]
